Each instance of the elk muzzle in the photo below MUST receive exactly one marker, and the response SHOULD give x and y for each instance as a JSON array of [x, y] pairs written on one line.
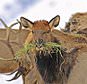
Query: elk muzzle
[[39, 44]]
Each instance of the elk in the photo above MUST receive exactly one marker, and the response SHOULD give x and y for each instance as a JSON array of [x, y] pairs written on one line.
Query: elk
[[42, 32], [77, 24]]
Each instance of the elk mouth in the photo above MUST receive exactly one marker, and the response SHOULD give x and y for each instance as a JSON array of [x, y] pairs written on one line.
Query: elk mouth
[[39, 49]]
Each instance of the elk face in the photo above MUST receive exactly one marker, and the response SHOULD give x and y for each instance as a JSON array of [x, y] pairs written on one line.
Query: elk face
[[41, 30]]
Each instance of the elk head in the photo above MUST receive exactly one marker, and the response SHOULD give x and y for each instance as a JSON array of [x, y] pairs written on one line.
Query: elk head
[[41, 30]]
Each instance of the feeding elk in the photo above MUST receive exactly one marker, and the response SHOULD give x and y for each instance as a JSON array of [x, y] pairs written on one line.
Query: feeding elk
[[49, 65]]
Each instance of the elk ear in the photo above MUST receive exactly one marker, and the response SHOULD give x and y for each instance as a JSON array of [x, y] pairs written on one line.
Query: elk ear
[[26, 23], [54, 22]]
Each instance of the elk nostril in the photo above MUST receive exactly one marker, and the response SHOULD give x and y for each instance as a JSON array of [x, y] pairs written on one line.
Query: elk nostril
[[36, 45], [40, 46], [41, 41]]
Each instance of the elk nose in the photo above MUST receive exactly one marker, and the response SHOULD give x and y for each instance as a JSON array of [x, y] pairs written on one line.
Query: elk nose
[[39, 43]]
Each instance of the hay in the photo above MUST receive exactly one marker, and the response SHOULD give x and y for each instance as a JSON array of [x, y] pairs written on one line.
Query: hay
[[24, 50], [30, 46], [52, 45]]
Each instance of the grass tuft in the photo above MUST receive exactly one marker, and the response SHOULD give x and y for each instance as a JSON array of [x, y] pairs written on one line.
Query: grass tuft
[[28, 47]]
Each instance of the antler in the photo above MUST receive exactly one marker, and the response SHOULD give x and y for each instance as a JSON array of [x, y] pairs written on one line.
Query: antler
[[6, 40], [8, 28], [19, 72], [25, 67]]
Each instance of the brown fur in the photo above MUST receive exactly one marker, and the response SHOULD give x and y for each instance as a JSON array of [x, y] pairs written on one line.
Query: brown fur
[[77, 23], [42, 24], [67, 41], [5, 52]]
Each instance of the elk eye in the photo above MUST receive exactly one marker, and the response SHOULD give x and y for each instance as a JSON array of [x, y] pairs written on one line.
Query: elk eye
[[32, 31], [46, 32]]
